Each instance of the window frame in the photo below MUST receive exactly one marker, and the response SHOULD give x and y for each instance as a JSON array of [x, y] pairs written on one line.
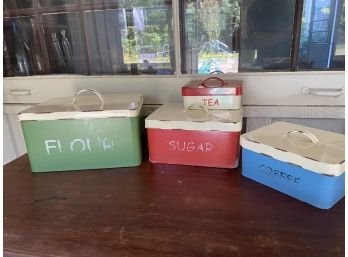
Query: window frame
[[260, 88]]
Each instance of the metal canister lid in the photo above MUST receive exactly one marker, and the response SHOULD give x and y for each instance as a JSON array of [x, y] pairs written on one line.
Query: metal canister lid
[[312, 149], [85, 106], [213, 86], [175, 116]]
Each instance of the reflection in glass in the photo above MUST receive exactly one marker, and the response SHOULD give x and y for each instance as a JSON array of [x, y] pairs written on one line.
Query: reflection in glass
[[23, 53], [322, 35], [103, 41], [64, 41], [7, 4], [135, 39], [101, 37], [17, 4], [56, 2], [210, 36], [266, 37], [146, 37]]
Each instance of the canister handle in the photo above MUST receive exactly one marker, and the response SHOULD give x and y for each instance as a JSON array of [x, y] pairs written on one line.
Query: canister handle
[[222, 82], [216, 72], [194, 115], [308, 134], [88, 90], [196, 107]]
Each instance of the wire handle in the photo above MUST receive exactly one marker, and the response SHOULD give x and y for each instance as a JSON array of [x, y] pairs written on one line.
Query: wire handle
[[308, 134], [216, 72], [222, 82], [88, 90], [196, 107], [195, 112]]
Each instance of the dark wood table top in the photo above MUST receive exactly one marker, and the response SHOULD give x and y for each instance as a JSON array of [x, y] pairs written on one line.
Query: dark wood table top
[[160, 210]]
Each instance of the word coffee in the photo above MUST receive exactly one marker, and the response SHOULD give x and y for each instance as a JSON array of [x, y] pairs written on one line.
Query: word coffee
[[278, 173]]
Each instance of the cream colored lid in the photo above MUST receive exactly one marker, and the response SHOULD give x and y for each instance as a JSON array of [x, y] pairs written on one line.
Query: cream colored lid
[[175, 116], [85, 106], [313, 149]]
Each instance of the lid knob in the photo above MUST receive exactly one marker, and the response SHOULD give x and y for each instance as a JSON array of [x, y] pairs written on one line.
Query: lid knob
[[133, 106]]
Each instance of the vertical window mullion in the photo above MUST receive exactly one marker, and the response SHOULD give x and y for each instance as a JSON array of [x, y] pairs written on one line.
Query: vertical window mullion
[[39, 28], [296, 35], [333, 26], [182, 36], [178, 28], [82, 25]]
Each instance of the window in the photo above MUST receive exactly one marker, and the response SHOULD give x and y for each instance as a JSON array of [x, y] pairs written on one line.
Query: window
[[266, 36], [322, 35], [210, 33], [227, 36], [88, 37], [105, 37]]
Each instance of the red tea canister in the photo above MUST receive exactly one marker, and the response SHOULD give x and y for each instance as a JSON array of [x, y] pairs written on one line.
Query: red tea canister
[[213, 93]]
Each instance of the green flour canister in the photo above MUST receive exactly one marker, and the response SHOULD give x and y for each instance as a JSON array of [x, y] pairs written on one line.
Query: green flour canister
[[87, 131]]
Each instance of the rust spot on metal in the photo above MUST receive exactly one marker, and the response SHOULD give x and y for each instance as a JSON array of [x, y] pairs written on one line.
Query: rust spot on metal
[[253, 141], [295, 164], [311, 158], [267, 155], [280, 150]]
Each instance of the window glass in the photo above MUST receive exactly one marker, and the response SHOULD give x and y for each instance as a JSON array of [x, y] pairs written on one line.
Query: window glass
[[17, 4], [266, 34], [89, 37], [23, 54], [322, 35], [210, 36], [96, 37], [146, 39], [44, 3], [64, 43]]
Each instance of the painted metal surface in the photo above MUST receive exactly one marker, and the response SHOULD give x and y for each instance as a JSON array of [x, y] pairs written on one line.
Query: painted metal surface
[[175, 116], [305, 163], [213, 101], [60, 145], [218, 149], [319, 190], [83, 132], [313, 149], [213, 93], [85, 106], [194, 137]]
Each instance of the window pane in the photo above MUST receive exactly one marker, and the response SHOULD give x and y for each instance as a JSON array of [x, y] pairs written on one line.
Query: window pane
[[210, 36], [104, 41], [45, 3], [338, 60], [17, 4], [266, 34], [64, 42], [23, 53], [101, 37], [322, 35], [146, 38]]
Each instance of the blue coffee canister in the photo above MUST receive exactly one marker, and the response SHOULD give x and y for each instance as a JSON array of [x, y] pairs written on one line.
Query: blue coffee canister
[[303, 162]]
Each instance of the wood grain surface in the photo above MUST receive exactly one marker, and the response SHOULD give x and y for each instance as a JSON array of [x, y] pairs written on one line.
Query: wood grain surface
[[160, 210]]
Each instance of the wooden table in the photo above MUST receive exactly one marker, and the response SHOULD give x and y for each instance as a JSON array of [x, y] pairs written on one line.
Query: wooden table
[[160, 210]]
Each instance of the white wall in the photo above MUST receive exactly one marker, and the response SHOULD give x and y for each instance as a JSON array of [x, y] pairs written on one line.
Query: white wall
[[13, 143]]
